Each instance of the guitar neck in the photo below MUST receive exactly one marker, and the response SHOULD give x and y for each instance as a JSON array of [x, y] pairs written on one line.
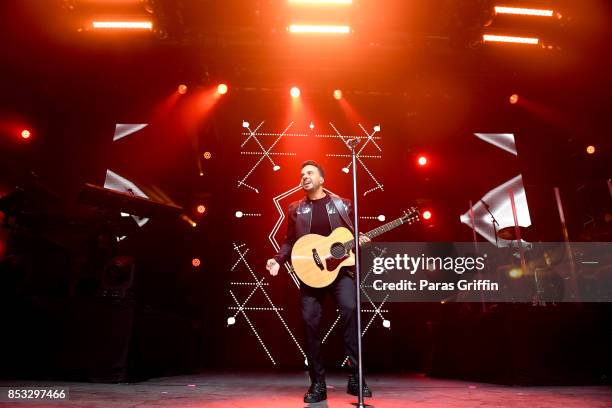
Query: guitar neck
[[380, 230]]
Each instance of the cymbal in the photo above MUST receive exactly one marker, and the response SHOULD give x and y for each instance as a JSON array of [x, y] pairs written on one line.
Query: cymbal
[[509, 233]]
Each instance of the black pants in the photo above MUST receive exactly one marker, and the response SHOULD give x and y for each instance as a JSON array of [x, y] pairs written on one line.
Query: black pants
[[343, 289]]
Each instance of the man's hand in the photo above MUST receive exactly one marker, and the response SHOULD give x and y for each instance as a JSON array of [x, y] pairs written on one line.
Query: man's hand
[[272, 266], [364, 239]]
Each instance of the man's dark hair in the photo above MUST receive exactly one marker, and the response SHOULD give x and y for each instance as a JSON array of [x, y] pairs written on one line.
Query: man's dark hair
[[314, 163]]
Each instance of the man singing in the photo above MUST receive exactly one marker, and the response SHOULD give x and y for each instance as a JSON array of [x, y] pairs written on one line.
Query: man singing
[[320, 213]]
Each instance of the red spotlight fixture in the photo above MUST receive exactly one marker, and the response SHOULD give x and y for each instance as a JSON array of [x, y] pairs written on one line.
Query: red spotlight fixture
[[222, 89], [25, 133], [337, 94], [195, 262], [427, 215], [590, 149], [201, 209], [514, 98], [182, 89], [422, 160], [295, 92]]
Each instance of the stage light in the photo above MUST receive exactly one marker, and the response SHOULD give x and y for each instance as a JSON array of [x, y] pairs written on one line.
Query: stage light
[[514, 98], [345, 170], [590, 149], [381, 218], [316, 2], [188, 220], [130, 25], [239, 214], [295, 92], [311, 126], [201, 174], [201, 209], [25, 133], [427, 215], [319, 29], [207, 155], [276, 167], [222, 89], [386, 324], [182, 89], [231, 321], [510, 39], [422, 161], [523, 11], [377, 128], [245, 124], [515, 273], [337, 94], [195, 262]]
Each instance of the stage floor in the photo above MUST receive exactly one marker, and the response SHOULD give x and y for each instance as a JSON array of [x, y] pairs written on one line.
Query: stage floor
[[249, 390]]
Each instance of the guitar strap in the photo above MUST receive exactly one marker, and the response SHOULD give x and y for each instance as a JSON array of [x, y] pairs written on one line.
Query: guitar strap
[[342, 211]]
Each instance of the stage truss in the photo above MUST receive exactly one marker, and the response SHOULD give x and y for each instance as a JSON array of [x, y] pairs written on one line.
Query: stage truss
[[241, 290]]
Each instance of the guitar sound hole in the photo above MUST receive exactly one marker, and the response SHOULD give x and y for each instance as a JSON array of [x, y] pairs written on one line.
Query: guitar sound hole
[[338, 250]]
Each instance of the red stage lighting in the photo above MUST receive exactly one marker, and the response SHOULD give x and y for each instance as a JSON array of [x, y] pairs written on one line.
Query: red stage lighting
[[523, 11], [201, 209], [25, 133], [222, 89], [317, 2], [427, 215], [182, 89], [422, 160], [319, 29], [514, 98], [295, 92], [195, 262], [590, 149], [510, 39], [337, 94], [130, 25]]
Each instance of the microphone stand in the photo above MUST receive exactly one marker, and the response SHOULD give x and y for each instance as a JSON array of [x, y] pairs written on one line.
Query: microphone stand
[[351, 144], [494, 222]]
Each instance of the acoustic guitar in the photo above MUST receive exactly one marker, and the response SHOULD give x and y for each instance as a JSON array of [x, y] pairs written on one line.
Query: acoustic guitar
[[317, 259]]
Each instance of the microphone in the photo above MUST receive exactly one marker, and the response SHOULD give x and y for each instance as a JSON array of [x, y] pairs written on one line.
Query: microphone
[[352, 142]]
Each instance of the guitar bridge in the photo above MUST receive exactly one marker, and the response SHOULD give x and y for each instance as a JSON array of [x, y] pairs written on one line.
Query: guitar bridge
[[317, 259]]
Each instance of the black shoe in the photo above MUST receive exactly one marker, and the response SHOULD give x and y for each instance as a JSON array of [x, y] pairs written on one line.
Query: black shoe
[[316, 393], [352, 387]]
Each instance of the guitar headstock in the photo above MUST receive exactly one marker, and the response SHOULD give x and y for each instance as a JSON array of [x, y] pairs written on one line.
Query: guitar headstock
[[411, 215]]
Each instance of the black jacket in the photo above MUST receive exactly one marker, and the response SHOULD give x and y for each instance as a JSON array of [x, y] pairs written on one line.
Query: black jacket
[[339, 211]]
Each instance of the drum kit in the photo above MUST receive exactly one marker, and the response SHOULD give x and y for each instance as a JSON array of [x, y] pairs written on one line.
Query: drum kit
[[552, 271]]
